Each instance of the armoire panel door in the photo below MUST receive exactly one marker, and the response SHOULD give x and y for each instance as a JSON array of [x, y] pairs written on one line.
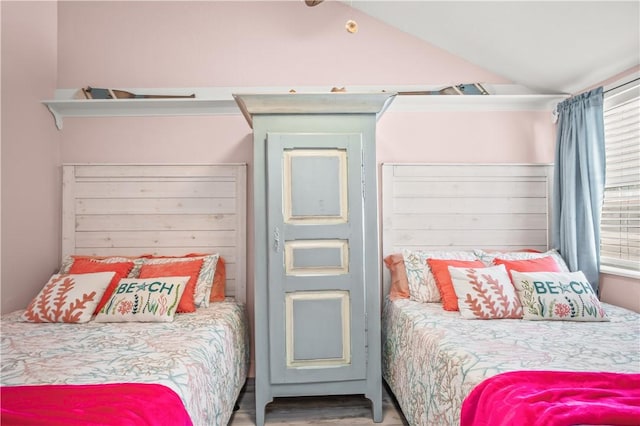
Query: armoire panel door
[[315, 259]]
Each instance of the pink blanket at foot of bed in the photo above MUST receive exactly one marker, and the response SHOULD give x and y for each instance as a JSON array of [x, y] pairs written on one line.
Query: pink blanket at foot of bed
[[554, 398], [109, 404]]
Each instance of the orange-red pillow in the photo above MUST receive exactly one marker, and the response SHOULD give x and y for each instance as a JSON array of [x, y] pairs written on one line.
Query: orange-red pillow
[[540, 264], [219, 281], [399, 281], [440, 270], [86, 266], [189, 269]]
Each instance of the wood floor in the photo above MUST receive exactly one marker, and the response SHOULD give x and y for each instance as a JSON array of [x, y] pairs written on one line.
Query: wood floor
[[309, 411]]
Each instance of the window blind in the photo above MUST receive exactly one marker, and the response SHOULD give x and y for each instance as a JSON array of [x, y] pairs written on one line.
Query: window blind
[[620, 222]]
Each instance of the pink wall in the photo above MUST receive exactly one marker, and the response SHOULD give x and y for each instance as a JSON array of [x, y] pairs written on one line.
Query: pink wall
[[203, 44], [621, 291], [466, 137], [241, 43], [30, 151]]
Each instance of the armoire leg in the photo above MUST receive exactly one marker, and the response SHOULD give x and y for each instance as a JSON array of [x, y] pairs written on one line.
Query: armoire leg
[[261, 404]]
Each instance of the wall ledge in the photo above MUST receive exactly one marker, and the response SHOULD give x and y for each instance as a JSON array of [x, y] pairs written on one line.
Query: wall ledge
[[220, 101]]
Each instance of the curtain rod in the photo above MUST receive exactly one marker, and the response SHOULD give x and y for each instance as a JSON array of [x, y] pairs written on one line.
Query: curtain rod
[[622, 85]]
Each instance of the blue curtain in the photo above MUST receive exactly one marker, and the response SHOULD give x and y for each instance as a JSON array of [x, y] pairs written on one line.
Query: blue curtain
[[578, 187]]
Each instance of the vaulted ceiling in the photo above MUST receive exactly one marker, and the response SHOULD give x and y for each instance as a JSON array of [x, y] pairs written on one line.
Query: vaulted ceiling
[[548, 46]]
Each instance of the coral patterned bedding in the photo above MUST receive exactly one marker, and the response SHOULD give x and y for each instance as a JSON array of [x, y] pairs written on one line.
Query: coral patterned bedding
[[202, 357], [433, 359]]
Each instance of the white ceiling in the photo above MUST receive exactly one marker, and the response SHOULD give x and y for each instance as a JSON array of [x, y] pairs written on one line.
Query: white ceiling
[[548, 46]]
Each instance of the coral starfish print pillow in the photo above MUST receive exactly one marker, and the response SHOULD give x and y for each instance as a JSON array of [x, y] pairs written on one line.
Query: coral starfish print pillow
[[68, 298], [485, 293]]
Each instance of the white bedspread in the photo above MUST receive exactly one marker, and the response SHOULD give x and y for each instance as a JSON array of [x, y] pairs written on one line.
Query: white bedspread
[[202, 356], [433, 358]]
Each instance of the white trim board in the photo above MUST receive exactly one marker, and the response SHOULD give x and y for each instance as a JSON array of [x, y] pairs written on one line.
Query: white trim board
[[160, 209]]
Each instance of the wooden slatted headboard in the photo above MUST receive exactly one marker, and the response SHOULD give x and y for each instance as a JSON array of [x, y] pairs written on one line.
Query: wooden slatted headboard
[[465, 207], [161, 209]]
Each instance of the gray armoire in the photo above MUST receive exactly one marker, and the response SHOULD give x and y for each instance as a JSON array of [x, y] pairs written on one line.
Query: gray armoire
[[317, 258]]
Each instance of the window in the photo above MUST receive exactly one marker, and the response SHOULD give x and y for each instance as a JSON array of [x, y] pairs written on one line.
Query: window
[[620, 225]]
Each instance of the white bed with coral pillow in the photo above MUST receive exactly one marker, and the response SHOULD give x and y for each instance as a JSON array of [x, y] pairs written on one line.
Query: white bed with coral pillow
[[202, 356], [173, 223], [495, 299]]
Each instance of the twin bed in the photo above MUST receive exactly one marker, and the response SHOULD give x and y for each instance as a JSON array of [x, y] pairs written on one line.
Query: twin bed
[[445, 369], [187, 370]]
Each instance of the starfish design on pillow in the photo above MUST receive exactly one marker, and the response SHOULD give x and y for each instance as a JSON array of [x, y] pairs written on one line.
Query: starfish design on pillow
[[142, 286], [565, 288]]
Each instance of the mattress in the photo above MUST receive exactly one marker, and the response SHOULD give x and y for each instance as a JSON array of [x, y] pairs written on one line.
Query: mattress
[[433, 358], [202, 356]]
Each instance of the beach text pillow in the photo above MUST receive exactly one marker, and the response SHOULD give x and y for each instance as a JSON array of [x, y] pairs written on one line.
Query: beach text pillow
[[68, 298], [144, 300], [557, 296]]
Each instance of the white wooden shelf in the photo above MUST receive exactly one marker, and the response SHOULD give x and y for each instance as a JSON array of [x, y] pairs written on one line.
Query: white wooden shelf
[[220, 101], [138, 107]]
